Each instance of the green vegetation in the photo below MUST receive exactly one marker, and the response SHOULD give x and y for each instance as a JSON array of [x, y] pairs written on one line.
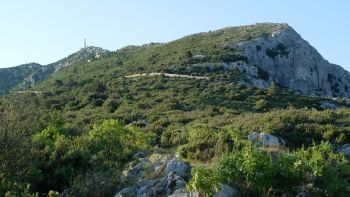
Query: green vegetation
[[316, 170], [79, 131]]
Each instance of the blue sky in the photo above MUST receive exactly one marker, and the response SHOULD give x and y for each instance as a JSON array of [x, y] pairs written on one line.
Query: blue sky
[[44, 31]]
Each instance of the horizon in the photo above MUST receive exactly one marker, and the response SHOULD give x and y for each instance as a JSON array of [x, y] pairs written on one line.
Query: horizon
[[44, 33]]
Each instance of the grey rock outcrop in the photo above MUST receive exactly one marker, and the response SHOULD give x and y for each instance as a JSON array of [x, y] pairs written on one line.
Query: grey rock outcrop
[[284, 57], [155, 187], [168, 178], [174, 182], [179, 167]]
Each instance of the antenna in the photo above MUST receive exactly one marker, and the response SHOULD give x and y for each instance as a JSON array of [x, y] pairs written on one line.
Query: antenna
[[84, 43]]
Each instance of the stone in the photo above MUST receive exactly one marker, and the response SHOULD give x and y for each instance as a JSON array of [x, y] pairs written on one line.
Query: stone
[[345, 151], [127, 192], [266, 139], [179, 167], [155, 187], [345, 146], [136, 172], [327, 105], [226, 191], [174, 182], [184, 193]]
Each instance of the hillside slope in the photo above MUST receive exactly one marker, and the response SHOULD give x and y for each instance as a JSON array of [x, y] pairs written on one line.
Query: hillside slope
[[151, 119], [25, 76]]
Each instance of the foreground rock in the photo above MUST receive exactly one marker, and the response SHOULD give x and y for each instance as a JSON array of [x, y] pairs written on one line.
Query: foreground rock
[[168, 178], [178, 167]]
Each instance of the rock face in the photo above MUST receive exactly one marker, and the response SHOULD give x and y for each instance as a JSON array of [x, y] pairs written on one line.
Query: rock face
[[11, 77], [284, 57], [24, 76]]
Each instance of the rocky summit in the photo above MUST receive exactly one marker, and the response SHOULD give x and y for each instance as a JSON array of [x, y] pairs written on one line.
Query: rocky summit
[[284, 57]]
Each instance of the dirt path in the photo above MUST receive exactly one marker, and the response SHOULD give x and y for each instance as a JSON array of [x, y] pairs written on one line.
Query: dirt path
[[167, 75]]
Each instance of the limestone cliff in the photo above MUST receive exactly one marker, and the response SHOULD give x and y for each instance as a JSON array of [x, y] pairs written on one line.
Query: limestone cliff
[[284, 57]]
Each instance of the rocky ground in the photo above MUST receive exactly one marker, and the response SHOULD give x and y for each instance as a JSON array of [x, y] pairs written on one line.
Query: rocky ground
[[156, 174]]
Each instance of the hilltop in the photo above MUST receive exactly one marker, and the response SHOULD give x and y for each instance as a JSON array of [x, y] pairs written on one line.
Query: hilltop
[[26, 75]]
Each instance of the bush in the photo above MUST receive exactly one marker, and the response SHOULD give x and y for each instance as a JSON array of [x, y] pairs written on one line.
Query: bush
[[9, 188], [203, 181], [261, 105], [257, 173], [201, 144], [111, 142], [57, 159]]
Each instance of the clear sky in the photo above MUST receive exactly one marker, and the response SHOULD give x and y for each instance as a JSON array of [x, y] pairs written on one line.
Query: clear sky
[[45, 31]]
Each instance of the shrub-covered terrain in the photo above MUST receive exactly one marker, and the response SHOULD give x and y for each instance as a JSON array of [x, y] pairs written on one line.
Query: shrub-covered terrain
[[75, 132]]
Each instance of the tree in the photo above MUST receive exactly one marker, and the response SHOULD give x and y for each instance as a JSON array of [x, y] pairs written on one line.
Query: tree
[[273, 89]]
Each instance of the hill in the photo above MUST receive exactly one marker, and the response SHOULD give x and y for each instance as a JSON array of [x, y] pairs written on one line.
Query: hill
[[117, 122], [25, 76]]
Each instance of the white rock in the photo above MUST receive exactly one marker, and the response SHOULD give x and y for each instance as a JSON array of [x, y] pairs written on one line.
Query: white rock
[[266, 139]]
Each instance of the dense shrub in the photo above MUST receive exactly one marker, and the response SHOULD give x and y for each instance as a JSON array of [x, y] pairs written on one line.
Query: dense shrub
[[205, 143], [297, 126], [58, 158], [257, 173], [9, 188]]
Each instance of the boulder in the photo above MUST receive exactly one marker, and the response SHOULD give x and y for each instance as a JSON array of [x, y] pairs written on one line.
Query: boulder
[[226, 191], [136, 172], [155, 187], [327, 105], [174, 182], [266, 139], [345, 149], [179, 167], [184, 193], [127, 192]]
